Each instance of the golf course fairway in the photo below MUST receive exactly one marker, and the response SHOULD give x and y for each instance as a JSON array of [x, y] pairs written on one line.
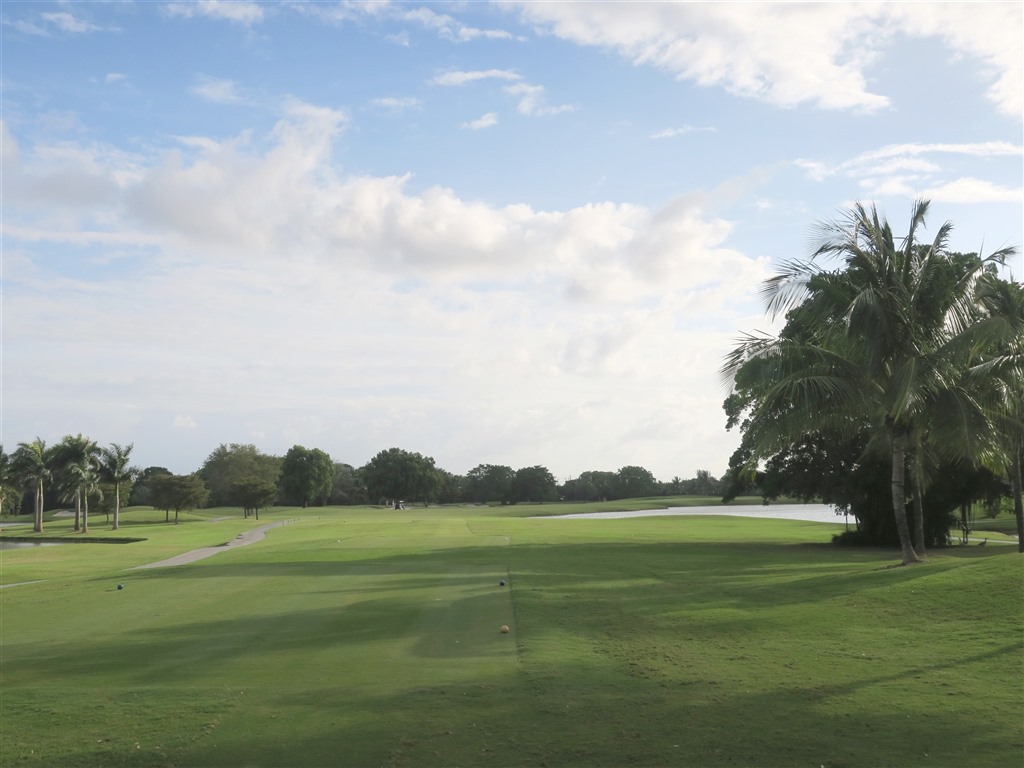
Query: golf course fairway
[[370, 637]]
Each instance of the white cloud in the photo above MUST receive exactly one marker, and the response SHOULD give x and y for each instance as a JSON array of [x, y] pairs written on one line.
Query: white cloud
[[671, 133], [484, 121], [915, 170], [396, 104], [65, 22], [532, 100], [238, 11], [461, 78], [233, 250], [790, 53], [114, 77], [961, 190], [450, 28], [217, 90], [989, 32]]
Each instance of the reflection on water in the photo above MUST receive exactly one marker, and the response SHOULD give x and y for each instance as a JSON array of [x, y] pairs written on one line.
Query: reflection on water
[[27, 544]]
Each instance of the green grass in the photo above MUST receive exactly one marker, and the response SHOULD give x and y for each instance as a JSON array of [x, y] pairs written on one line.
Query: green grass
[[362, 637]]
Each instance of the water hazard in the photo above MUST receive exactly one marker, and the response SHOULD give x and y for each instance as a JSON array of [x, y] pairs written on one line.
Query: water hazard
[[815, 513]]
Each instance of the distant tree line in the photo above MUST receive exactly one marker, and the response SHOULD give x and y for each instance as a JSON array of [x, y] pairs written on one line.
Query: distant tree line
[[77, 471]]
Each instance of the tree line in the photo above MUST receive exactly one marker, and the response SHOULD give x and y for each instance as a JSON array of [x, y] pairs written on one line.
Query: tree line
[[77, 470]]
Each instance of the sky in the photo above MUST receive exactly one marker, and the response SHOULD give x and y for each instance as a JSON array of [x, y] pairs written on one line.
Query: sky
[[492, 233]]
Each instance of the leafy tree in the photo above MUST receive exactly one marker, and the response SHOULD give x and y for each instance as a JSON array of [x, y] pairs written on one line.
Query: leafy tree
[[450, 491], [115, 467], [347, 487], [534, 484], [31, 465], [230, 463], [141, 493], [177, 492], [10, 496], [489, 482], [633, 482], [880, 344], [252, 493], [307, 475], [591, 486], [704, 484], [396, 474]]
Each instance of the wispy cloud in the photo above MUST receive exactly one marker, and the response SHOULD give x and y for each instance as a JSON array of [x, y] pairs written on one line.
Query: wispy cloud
[[461, 78], [396, 104], [484, 121], [54, 23], [240, 11], [905, 156], [532, 100], [217, 90], [791, 53], [671, 133], [65, 22], [450, 28]]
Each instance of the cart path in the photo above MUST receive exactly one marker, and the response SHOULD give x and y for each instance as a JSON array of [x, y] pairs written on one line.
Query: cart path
[[241, 540]]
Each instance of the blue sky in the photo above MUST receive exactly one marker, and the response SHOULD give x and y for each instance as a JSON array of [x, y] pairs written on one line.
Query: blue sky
[[510, 233]]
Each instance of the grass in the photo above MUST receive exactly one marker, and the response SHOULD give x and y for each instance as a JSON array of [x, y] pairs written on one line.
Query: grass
[[362, 637]]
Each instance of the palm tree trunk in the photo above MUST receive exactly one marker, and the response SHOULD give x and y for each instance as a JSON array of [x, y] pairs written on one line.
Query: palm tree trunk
[[37, 523], [1018, 504], [918, 500], [85, 515], [899, 498], [117, 502], [78, 510]]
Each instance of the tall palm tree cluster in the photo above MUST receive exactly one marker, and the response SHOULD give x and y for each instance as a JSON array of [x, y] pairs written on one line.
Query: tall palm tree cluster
[[912, 350], [77, 467]]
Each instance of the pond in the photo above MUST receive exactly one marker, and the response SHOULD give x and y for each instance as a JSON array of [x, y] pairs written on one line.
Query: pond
[[816, 513], [28, 544]]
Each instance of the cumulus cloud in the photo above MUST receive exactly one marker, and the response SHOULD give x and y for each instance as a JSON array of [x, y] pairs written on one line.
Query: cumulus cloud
[[231, 250]]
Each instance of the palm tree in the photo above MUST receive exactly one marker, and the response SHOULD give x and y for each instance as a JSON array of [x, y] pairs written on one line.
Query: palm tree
[[31, 464], [1003, 371], [82, 480], [69, 453], [116, 469], [880, 341]]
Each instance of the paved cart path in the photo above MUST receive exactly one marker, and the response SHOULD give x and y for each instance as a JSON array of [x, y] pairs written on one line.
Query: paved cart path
[[241, 540]]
